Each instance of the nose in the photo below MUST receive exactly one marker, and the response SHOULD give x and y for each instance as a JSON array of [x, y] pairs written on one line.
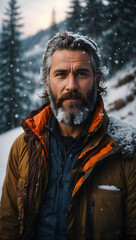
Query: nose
[[71, 83]]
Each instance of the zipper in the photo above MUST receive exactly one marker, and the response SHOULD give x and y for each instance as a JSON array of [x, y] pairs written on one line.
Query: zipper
[[60, 190], [91, 213], [89, 221]]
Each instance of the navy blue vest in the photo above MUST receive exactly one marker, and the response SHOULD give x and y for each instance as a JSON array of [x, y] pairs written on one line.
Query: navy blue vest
[[63, 154]]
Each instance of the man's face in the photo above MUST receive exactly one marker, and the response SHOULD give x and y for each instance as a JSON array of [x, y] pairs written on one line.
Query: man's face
[[71, 86]]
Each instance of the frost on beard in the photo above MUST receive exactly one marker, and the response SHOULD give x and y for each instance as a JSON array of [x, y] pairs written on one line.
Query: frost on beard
[[81, 116], [78, 118], [60, 115]]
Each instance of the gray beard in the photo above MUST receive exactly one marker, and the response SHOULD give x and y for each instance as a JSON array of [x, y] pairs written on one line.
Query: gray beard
[[75, 118], [78, 115]]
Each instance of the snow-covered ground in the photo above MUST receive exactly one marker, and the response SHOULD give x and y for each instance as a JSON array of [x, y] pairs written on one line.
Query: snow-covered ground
[[6, 141], [125, 91], [120, 101]]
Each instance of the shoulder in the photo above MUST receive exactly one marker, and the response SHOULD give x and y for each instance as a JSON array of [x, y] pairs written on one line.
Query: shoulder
[[18, 146], [19, 141], [123, 133]]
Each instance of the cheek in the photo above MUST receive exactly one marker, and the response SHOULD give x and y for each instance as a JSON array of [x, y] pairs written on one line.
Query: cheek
[[86, 86], [56, 92], [59, 88]]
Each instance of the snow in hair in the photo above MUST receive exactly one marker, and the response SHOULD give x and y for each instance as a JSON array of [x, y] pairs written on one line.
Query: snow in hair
[[71, 41]]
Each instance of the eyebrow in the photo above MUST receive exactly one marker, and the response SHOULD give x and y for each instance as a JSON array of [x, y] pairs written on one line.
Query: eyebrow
[[77, 70], [60, 70], [82, 69]]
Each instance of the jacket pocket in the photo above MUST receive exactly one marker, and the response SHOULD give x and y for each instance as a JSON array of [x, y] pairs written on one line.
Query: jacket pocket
[[108, 211]]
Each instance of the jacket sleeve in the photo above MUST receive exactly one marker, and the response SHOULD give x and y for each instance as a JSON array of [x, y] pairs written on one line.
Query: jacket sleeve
[[9, 221], [130, 202]]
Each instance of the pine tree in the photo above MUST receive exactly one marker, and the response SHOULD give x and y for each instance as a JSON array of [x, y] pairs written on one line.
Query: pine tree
[[93, 18], [13, 84], [53, 28], [119, 39], [74, 17], [2, 84]]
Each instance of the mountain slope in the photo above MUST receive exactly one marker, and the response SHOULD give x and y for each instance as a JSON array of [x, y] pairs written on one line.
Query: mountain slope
[[120, 100]]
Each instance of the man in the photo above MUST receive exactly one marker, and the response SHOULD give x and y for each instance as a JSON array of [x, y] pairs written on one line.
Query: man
[[72, 174]]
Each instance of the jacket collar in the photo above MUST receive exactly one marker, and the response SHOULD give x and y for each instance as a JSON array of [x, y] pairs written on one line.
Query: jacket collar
[[98, 117], [36, 121]]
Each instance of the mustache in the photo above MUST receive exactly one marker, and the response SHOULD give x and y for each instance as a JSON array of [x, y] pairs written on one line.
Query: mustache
[[72, 94]]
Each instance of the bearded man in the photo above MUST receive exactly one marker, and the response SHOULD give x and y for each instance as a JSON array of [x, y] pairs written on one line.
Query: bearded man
[[69, 175]]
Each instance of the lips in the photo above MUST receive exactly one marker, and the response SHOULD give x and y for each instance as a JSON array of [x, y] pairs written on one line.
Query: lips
[[73, 96], [72, 99]]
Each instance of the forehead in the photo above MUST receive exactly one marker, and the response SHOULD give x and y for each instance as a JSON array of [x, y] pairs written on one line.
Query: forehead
[[62, 57]]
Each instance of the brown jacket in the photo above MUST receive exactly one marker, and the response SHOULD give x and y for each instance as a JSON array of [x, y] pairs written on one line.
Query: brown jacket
[[103, 204]]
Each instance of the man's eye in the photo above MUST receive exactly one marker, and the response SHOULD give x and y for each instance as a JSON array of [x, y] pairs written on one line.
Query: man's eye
[[83, 74], [60, 75]]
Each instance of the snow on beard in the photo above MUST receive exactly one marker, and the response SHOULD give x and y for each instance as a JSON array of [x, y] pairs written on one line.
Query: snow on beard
[[75, 113]]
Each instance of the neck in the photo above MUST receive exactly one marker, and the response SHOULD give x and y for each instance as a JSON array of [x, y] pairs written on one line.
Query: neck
[[73, 131]]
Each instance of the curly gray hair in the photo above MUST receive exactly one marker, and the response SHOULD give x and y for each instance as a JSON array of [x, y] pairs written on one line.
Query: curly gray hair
[[71, 41]]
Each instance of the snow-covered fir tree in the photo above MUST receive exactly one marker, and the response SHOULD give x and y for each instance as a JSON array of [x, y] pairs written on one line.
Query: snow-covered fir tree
[[74, 16], [93, 19], [14, 100], [2, 83], [119, 40]]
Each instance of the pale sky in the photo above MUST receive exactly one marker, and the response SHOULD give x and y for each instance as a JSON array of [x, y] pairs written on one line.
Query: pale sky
[[37, 13]]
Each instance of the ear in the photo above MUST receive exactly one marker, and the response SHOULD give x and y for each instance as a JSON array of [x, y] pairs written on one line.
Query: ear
[[47, 85], [98, 77]]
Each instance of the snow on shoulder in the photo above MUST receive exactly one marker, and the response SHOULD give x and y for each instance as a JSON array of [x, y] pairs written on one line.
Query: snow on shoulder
[[123, 133]]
